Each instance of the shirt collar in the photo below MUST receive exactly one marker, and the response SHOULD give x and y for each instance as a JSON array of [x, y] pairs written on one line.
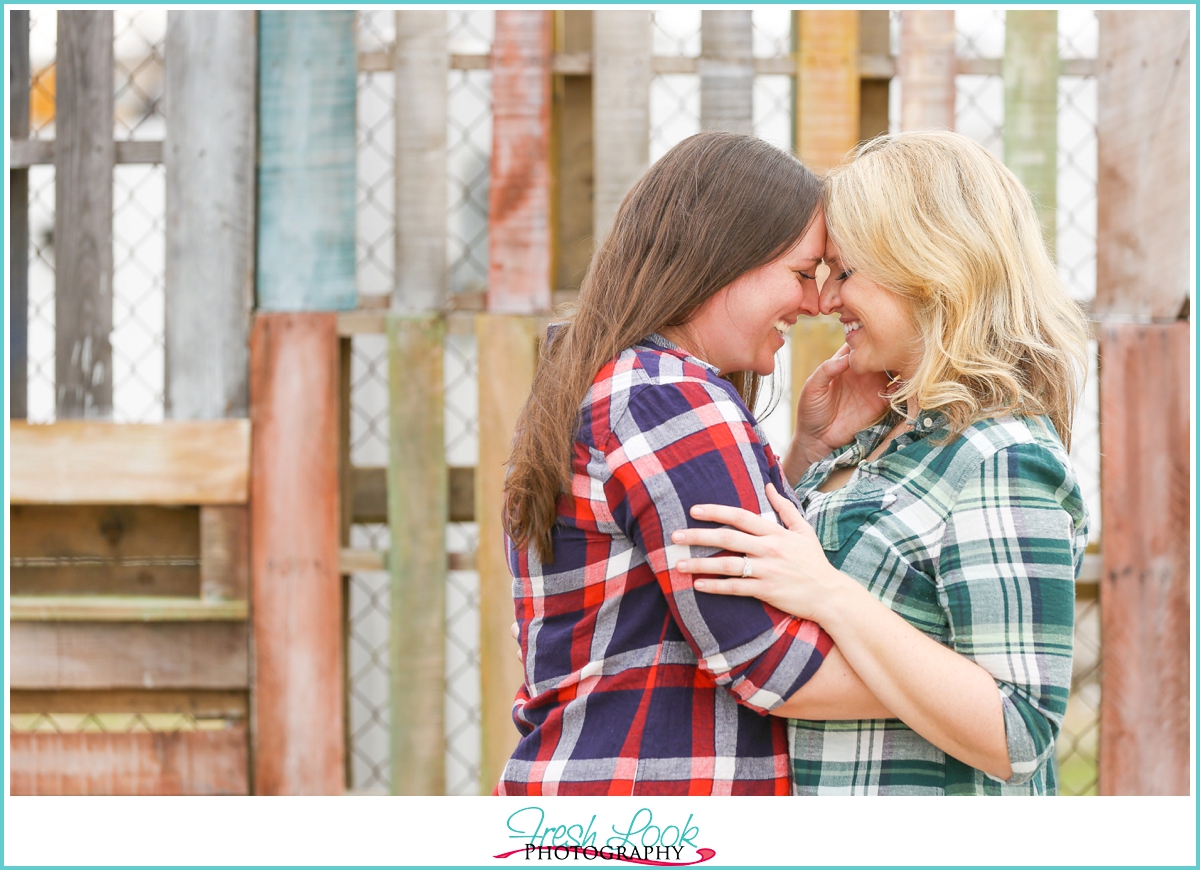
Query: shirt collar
[[661, 341]]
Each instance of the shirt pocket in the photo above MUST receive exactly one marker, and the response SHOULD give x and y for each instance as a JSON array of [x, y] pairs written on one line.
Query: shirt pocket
[[844, 512]]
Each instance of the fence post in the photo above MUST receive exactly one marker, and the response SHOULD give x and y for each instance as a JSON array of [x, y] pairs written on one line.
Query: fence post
[[1030, 72], [874, 38], [519, 197], [18, 233], [422, 64], [1143, 282], [417, 474], [209, 154], [84, 154], [417, 488], [572, 136], [726, 68], [827, 128], [307, 161], [621, 107], [926, 69], [307, 93], [518, 288]]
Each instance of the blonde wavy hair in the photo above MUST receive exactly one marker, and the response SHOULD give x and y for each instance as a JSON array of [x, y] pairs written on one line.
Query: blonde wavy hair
[[936, 219]]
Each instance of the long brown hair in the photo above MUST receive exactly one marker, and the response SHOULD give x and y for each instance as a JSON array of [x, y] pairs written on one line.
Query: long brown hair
[[714, 207]]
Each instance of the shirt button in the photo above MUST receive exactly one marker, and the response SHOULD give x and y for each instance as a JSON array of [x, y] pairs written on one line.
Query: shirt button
[[928, 422]]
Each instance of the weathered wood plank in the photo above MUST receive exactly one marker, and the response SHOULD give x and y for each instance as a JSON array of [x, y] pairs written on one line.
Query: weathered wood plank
[[926, 69], [519, 197], [83, 202], [1143, 266], [726, 67], [294, 524], [620, 107], [306, 172], [572, 136], [874, 41], [24, 153], [119, 608], [176, 462], [422, 67], [1145, 586], [813, 340], [210, 152], [827, 86], [202, 704], [18, 227], [507, 357], [1031, 108], [417, 488], [104, 550], [129, 655], [377, 560], [163, 763], [225, 553], [368, 494], [876, 65]]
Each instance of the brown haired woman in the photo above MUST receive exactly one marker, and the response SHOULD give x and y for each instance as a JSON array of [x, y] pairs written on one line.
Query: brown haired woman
[[635, 684]]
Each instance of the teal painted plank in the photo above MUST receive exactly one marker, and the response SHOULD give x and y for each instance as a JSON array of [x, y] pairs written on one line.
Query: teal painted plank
[[306, 176]]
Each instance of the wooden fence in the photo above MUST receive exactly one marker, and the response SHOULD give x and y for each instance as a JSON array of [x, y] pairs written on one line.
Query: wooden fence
[[238, 509]]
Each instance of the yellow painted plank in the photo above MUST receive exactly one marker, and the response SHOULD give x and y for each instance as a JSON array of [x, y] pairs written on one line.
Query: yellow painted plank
[[507, 356], [827, 86]]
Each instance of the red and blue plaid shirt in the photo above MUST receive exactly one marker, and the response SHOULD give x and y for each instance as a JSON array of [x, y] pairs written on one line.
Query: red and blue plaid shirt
[[634, 682]]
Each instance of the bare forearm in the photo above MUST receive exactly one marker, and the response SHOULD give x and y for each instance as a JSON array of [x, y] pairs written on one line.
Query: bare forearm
[[801, 454], [946, 698], [834, 692]]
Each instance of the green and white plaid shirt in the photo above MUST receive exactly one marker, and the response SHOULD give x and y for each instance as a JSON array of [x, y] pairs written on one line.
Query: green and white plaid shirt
[[977, 543]]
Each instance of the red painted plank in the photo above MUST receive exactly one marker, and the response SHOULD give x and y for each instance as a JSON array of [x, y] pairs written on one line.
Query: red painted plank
[[296, 602], [1144, 589], [519, 198], [163, 763]]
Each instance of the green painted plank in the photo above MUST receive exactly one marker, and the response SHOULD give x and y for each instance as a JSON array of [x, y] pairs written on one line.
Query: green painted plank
[[117, 608], [417, 487], [1030, 69], [306, 174]]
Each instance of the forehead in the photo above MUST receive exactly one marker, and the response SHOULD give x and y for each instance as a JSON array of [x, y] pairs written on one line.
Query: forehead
[[811, 245]]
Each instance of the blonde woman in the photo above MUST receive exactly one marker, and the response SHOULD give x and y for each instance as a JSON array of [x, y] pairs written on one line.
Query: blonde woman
[[940, 546]]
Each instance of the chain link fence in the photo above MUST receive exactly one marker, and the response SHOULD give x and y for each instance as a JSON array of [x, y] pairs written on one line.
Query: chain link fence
[[138, 219]]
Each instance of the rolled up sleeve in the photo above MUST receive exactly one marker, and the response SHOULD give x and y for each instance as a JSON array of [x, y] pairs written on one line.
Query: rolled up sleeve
[[1007, 583]]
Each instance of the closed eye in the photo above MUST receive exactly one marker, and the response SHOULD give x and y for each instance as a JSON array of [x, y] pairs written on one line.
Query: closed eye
[[807, 276], [845, 274]]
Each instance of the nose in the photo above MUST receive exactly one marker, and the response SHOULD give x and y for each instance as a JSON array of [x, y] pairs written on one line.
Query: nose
[[831, 299], [810, 298]]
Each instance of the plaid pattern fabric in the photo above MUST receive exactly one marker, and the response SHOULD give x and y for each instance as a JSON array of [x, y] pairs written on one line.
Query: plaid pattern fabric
[[977, 543], [635, 683]]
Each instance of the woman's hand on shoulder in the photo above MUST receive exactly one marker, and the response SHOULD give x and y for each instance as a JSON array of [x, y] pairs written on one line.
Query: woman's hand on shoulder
[[835, 404], [788, 567]]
